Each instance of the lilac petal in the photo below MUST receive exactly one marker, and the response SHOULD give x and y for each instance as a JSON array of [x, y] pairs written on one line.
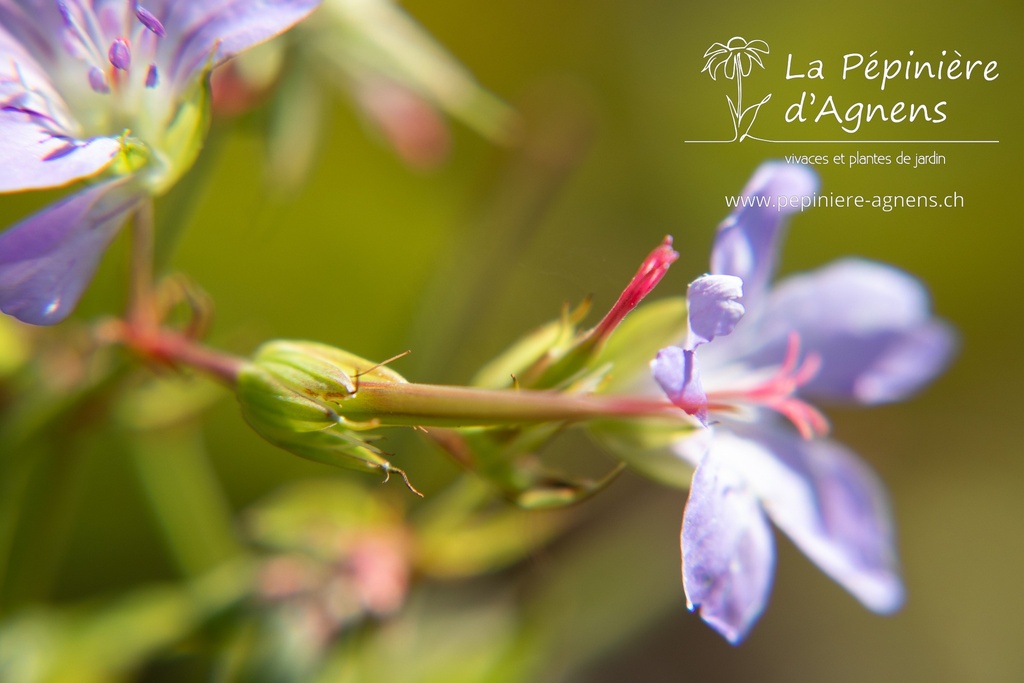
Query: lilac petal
[[712, 310], [31, 158], [220, 29], [713, 307], [48, 259], [747, 241], [827, 501], [33, 27], [728, 550], [675, 370], [870, 324]]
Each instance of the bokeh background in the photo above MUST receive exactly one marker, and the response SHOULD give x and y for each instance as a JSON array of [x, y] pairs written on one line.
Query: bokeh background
[[455, 261]]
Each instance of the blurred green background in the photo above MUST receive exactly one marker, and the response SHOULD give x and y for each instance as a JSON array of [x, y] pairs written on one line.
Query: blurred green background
[[455, 262]]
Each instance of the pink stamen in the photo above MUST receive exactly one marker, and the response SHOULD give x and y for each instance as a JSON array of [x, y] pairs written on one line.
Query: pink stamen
[[778, 391]]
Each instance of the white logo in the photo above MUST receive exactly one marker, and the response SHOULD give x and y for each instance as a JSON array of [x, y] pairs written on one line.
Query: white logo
[[736, 60]]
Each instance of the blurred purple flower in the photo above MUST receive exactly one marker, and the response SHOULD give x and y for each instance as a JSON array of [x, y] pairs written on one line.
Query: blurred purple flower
[[88, 87], [854, 330]]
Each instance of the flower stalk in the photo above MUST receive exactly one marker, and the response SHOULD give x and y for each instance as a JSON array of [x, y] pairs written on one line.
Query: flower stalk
[[142, 306], [457, 406]]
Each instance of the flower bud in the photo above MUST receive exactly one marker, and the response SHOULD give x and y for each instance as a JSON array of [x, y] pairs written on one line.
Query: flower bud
[[290, 394], [560, 355], [297, 385], [272, 403]]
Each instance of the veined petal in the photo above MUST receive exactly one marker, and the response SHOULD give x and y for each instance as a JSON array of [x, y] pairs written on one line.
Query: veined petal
[[26, 26], [870, 324], [220, 29], [23, 43], [827, 501], [713, 307], [48, 259], [728, 550], [747, 241], [32, 158]]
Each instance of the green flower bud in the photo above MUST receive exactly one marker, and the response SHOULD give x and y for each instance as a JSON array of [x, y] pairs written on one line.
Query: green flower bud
[[290, 394], [270, 403], [297, 385]]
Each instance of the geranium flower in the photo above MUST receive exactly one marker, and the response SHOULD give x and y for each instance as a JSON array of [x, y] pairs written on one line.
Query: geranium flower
[[854, 330], [105, 88]]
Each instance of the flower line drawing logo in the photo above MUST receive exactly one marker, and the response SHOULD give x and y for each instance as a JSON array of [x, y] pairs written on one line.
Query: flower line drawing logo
[[736, 59]]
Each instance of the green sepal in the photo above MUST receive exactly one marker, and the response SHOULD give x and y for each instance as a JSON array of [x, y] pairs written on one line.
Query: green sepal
[[133, 156], [557, 493], [269, 404], [465, 532], [297, 385], [315, 358], [289, 394], [184, 136], [543, 345], [508, 458], [337, 448], [637, 340], [646, 446]]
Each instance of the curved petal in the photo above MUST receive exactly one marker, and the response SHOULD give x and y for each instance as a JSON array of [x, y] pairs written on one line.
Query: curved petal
[[747, 241], [24, 40], [31, 158], [869, 323], [729, 67], [48, 259], [827, 501], [713, 308], [220, 29], [675, 371], [728, 550], [715, 49]]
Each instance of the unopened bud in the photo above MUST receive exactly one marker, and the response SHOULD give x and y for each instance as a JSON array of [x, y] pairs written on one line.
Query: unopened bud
[[290, 395], [296, 385]]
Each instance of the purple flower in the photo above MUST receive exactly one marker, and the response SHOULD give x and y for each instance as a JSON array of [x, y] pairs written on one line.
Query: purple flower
[[104, 87], [854, 330]]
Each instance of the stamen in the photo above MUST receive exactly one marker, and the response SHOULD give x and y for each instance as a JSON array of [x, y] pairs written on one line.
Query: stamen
[[149, 20], [152, 77], [88, 37], [98, 81], [119, 54], [778, 391]]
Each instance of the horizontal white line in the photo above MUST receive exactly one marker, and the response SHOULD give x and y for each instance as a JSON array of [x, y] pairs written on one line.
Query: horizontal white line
[[863, 142]]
